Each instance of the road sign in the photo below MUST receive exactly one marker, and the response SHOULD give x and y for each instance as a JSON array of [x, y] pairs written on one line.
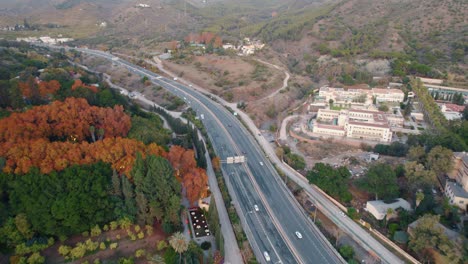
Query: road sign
[[230, 160]]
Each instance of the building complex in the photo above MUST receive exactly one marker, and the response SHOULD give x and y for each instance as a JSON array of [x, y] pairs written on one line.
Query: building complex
[[359, 98], [353, 123]]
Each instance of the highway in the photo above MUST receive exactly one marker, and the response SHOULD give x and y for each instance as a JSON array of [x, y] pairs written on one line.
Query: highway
[[272, 228]]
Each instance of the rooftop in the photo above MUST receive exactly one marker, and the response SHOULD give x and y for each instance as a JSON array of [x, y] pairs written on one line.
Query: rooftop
[[381, 207], [368, 124], [386, 90], [330, 127], [461, 155], [457, 190]]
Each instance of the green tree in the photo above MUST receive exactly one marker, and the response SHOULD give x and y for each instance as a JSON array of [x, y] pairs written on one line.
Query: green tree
[[347, 252], [465, 113], [380, 180], [296, 161], [23, 226], [129, 198], [332, 181], [416, 153], [63, 203], [428, 234], [158, 192], [9, 234], [440, 160], [418, 177]]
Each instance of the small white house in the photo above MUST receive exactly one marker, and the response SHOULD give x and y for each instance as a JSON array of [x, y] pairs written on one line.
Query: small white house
[[379, 208]]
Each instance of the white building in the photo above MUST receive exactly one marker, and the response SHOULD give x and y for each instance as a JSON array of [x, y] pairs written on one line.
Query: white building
[[456, 189], [449, 112], [457, 195], [143, 5], [353, 123], [350, 98], [379, 208], [229, 46], [330, 130], [250, 47], [388, 95]]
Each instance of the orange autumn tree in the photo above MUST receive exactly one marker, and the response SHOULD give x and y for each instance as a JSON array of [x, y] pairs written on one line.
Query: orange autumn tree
[[79, 84], [68, 120], [205, 38], [56, 156], [216, 163], [193, 179], [48, 88]]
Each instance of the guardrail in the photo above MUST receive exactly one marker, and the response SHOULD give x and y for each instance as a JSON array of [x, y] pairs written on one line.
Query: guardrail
[[373, 231]]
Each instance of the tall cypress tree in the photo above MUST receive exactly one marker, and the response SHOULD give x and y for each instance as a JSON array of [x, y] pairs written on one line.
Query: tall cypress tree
[[129, 198]]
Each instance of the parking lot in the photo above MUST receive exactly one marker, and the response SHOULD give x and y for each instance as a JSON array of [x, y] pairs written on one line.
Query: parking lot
[[199, 224]]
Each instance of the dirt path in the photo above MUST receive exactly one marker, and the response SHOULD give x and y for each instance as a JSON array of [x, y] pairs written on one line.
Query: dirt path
[[285, 81]]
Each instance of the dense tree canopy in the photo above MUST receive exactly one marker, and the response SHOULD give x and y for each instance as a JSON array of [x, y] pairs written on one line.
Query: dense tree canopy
[[331, 180], [65, 202], [68, 120], [380, 180], [429, 234]]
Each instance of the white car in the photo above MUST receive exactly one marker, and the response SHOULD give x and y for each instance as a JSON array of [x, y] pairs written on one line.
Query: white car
[[190, 85], [256, 208], [267, 257], [261, 163], [299, 235], [175, 78]]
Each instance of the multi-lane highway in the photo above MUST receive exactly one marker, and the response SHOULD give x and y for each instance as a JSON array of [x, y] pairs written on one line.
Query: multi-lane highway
[[267, 209], [255, 183]]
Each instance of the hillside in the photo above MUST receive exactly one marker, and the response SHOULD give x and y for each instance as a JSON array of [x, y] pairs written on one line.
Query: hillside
[[430, 32]]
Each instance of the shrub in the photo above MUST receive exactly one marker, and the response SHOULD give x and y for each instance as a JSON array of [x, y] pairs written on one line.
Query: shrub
[[125, 223], [139, 253], [36, 258], [137, 228], [161, 245], [95, 231], [149, 230], [113, 225], [102, 246], [141, 235], [78, 251], [353, 214], [105, 228], [205, 245], [85, 234], [347, 252], [113, 245], [90, 245], [64, 250]]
